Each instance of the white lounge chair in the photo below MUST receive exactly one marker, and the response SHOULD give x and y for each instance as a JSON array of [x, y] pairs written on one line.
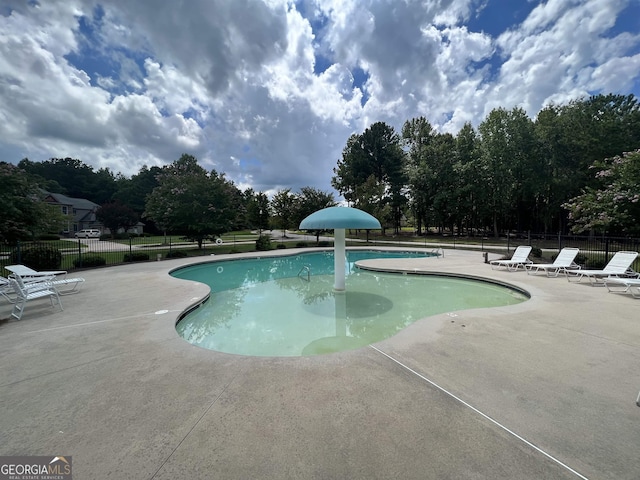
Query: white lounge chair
[[618, 266], [563, 262], [56, 277], [520, 258], [623, 285], [6, 290], [32, 291]]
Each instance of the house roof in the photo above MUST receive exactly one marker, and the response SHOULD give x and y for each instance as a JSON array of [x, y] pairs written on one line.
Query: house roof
[[77, 203], [84, 211]]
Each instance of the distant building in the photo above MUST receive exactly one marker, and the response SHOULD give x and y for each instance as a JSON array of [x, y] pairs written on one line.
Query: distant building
[[81, 214]]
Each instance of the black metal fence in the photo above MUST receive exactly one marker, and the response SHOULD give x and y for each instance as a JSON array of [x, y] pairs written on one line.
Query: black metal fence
[[595, 251], [70, 254]]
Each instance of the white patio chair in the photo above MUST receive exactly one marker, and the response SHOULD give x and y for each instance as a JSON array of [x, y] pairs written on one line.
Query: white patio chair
[[56, 277], [6, 291], [563, 262], [520, 258], [618, 266], [623, 285], [32, 291]]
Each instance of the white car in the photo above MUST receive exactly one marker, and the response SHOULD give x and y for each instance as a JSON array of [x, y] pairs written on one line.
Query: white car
[[89, 233]]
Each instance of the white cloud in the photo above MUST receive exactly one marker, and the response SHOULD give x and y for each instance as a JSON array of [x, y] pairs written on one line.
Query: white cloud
[[552, 55], [617, 74], [120, 84]]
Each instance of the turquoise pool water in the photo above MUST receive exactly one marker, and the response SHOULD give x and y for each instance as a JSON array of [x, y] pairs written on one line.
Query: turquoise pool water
[[269, 307]]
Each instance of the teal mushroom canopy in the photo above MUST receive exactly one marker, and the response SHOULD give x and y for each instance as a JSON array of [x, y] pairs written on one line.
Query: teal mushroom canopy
[[339, 217]]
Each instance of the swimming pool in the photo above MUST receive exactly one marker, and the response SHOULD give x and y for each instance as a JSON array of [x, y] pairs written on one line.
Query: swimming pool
[[286, 306]]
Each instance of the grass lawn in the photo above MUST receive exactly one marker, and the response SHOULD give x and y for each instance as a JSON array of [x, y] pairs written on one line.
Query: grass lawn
[[162, 241]]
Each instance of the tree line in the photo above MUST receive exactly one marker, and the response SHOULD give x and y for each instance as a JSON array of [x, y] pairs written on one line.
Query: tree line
[[181, 198], [558, 171], [574, 166]]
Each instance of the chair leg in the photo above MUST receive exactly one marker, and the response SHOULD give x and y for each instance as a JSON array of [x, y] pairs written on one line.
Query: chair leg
[[56, 295], [18, 308]]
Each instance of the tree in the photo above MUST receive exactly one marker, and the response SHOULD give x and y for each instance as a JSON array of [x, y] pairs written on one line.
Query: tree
[[556, 169], [193, 202], [257, 210], [115, 215], [507, 155], [133, 191], [75, 178], [471, 190], [283, 207], [442, 156], [310, 200], [608, 125], [435, 175], [614, 206], [376, 152], [417, 135], [370, 198], [23, 214]]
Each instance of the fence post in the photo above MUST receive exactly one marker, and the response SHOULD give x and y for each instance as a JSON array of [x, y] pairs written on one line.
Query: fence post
[[606, 250], [130, 250], [19, 252], [79, 253]]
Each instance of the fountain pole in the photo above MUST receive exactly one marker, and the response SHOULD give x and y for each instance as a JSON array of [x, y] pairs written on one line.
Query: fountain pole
[[339, 259]]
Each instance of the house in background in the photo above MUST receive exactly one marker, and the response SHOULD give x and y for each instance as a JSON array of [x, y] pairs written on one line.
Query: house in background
[[80, 213]]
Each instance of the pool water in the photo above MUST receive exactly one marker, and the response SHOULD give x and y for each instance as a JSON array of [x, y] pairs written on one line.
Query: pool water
[[262, 307]]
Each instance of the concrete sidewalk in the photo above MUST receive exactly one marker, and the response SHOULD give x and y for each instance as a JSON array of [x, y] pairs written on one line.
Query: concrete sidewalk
[[544, 389]]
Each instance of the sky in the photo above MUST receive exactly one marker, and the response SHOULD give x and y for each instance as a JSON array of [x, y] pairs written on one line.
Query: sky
[[269, 91]]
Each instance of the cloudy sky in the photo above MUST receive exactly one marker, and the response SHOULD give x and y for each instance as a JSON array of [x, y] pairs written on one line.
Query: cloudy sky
[[268, 91]]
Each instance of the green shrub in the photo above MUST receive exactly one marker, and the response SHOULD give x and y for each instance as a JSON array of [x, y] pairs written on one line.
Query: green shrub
[[38, 257], [596, 263], [234, 250], [581, 259], [536, 252], [49, 236], [263, 243], [281, 246], [324, 243], [301, 244], [177, 254], [136, 257], [90, 260]]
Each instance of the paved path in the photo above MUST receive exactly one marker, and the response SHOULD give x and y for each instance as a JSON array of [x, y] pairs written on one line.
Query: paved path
[[544, 389]]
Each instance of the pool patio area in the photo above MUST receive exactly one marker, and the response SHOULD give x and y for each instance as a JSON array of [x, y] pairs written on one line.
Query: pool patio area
[[545, 389]]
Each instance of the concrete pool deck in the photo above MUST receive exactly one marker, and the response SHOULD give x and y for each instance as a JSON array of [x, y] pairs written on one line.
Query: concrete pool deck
[[545, 389]]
